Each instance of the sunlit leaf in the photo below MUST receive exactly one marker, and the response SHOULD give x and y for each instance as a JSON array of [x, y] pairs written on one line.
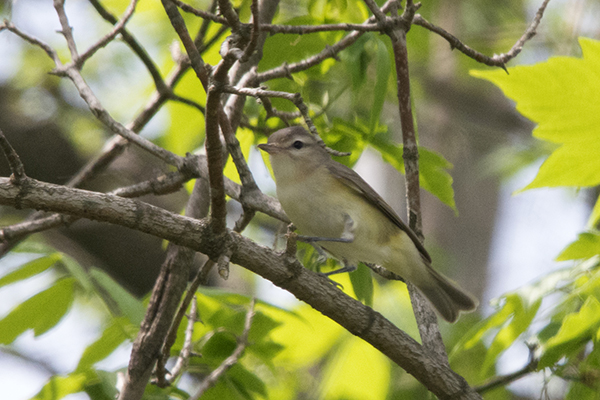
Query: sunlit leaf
[[112, 337], [522, 316], [576, 329], [362, 283], [127, 305], [30, 269], [381, 80], [60, 386], [40, 312], [587, 245], [595, 216], [306, 336], [561, 97], [356, 372], [433, 167]]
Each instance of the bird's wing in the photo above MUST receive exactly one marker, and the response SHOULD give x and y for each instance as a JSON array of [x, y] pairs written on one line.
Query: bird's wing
[[355, 182]]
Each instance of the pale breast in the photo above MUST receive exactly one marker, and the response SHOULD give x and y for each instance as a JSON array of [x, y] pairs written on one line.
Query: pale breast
[[318, 205]]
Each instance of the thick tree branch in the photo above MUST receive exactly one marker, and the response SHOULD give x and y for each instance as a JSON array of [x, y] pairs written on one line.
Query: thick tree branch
[[280, 269]]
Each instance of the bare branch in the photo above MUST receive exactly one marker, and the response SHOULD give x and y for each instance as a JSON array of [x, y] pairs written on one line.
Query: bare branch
[[103, 116], [286, 70], [230, 361], [496, 60], [226, 10], [90, 98], [255, 32], [186, 350], [280, 269], [509, 378], [200, 13], [67, 31], [14, 161], [306, 29], [135, 47], [119, 26], [34, 41]]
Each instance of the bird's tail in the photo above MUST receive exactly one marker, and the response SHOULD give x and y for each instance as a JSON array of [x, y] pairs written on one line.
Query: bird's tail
[[447, 298]]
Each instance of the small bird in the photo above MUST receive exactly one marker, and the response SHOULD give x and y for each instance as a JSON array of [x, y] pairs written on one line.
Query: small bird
[[332, 204]]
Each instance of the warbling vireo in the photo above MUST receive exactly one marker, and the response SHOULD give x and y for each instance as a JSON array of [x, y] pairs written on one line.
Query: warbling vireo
[[331, 202]]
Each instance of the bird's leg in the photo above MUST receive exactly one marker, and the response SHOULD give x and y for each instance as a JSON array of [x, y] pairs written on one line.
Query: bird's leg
[[348, 267], [322, 255], [347, 235]]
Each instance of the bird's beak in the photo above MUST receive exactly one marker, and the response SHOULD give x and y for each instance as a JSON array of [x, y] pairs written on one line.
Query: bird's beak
[[269, 148]]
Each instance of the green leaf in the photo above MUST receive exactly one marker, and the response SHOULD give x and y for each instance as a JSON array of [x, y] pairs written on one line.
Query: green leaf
[[279, 49], [60, 386], [435, 178], [381, 82], [432, 168], [245, 381], [30, 269], [362, 283], [577, 328], [522, 316], [561, 96], [218, 347], [356, 372], [112, 337], [595, 216], [101, 385], [79, 273], [587, 245], [40, 312], [115, 295]]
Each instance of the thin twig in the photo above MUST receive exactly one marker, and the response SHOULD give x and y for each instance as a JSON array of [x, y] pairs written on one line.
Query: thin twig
[[498, 60], [200, 13], [118, 28], [67, 31], [135, 46], [504, 380], [426, 318], [295, 98], [213, 105], [186, 350], [286, 70], [230, 361], [306, 29], [34, 41], [14, 161], [255, 32], [88, 95]]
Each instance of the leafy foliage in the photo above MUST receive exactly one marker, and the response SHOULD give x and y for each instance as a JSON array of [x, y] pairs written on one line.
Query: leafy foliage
[[559, 96]]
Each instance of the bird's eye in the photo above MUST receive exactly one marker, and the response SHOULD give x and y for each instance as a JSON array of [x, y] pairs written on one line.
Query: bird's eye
[[298, 144]]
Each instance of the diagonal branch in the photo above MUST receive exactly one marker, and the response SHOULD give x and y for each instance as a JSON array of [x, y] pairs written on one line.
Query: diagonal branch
[[135, 46], [118, 28], [498, 60], [284, 272], [67, 31], [14, 161]]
